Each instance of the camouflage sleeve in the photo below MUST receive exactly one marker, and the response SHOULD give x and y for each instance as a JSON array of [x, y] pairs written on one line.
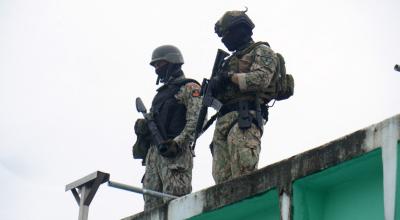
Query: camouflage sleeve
[[189, 95], [261, 70]]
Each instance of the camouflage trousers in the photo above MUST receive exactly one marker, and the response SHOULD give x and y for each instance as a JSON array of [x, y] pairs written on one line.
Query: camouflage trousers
[[235, 151], [168, 175]]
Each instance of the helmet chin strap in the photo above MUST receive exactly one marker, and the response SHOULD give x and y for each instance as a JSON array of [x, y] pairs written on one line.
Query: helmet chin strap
[[158, 80], [172, 71], [162, 73]]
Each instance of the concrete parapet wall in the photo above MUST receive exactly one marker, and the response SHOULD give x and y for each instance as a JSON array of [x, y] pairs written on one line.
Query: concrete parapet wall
[[374, 148]]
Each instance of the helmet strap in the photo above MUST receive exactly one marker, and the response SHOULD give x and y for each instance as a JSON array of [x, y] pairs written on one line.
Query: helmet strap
[[158, 80]]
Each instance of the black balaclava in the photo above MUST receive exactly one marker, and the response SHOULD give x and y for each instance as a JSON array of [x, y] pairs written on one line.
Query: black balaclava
[[167, 72], [237, 37]]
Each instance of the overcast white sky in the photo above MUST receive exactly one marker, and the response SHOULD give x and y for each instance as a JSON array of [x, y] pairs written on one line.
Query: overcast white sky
[[71, 70]]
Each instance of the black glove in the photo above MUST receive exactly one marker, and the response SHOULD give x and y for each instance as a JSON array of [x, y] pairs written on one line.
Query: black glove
[[220, 81], [169, 148], [141, 127]]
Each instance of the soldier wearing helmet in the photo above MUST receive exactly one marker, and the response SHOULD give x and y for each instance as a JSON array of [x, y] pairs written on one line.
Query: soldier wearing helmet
[[173, 60], [241, 84], [175, 110]]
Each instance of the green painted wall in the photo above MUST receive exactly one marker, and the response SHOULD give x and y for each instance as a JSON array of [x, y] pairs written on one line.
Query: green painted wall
[[397, 216], [264, 206], [348, 191]]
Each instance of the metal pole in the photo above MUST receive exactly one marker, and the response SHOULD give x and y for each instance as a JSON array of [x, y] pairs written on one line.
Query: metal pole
[[83, 209], [140, 190]]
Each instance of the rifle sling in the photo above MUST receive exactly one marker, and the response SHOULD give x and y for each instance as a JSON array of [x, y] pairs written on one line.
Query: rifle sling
[[209, 122]]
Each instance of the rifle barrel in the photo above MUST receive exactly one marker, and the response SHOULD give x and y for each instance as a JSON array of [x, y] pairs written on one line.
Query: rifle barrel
[[208, 99]]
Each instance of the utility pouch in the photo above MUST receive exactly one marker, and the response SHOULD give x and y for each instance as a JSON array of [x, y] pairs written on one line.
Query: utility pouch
[[259, 118], [245, 118], [140, 148]]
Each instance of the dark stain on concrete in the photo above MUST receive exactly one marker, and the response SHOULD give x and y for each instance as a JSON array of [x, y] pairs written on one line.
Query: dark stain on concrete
[[281, 175]]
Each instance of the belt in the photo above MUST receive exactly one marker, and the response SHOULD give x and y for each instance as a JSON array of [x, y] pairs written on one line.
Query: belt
[[235, 107], [226, 108]]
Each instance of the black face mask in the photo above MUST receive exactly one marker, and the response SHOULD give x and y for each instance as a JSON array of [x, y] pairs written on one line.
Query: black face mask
[[167, 72], [162, 73], [237, 37]]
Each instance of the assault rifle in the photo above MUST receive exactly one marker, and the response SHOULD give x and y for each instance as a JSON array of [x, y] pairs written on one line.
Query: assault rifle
[[151, 124], [207, 93]]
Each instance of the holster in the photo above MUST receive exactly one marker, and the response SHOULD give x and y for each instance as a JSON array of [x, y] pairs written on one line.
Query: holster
[[245, 118]]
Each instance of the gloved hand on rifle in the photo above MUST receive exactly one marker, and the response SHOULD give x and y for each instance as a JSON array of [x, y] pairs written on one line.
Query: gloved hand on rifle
[[169, 148], [220, 81]]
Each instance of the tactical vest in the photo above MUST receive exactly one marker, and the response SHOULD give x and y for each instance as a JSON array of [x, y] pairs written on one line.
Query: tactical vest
[[238, 62], [281, 86], [169, 115]]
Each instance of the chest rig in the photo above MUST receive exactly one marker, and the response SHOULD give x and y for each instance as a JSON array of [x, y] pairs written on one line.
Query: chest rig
[[243, 102], [238, 62], [168, 113]]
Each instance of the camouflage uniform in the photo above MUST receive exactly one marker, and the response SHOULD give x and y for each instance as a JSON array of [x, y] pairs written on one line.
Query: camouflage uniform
[[174, 175], [235, 150]]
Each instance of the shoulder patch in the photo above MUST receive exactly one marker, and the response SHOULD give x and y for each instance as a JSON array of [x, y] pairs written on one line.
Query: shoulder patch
[[196, 93], [192, 85], [194, 88]]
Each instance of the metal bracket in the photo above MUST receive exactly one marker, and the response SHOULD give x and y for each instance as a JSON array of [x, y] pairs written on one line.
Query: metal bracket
[[84, 190]]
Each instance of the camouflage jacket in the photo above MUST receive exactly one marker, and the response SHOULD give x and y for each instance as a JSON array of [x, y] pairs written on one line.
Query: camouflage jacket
[[255, 67]]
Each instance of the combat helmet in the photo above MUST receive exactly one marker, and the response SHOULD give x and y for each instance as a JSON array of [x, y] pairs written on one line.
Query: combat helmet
[[168, 53], [231, 19]]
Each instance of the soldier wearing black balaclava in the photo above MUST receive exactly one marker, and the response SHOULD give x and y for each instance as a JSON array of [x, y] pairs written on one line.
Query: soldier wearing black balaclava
[[241, 86], [175, 110]]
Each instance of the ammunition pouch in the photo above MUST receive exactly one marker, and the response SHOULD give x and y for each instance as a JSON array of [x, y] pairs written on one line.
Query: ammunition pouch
[[143, 140], [141, 146], [141, 128]]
